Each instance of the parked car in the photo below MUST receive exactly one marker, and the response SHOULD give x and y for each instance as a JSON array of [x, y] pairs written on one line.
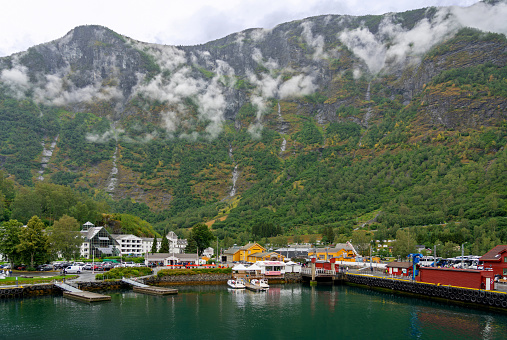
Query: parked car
[[87, 266], [73, 270], [45, 267], [21, 267]]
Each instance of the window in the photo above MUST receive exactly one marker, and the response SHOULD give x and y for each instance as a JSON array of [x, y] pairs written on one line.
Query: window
[[505, 271]]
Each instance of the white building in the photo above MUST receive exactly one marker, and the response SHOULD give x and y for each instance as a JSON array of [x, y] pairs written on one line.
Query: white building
[[208, 252], [97, 242], [131, 245]]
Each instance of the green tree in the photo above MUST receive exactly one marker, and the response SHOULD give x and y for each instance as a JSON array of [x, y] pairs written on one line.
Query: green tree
[[164, 245], [65, 237], [405, 242], [328, 235], [34, 243], [202, 236], [154, 245], [361, 239], [9, 240]]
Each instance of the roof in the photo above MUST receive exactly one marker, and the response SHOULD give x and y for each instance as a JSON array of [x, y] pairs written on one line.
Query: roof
[[250, 245], [232, 250], [494, 254], [265, 253], [399, 265], [172, 235]]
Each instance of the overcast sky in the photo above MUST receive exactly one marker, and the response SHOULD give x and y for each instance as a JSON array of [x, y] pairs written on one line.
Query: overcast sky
[[24, 23]]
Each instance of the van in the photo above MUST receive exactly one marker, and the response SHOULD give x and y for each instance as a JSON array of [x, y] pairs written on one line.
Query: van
[[73, 269]]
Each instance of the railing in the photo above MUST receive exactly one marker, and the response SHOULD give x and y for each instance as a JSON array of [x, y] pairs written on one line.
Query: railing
[[318, 271]]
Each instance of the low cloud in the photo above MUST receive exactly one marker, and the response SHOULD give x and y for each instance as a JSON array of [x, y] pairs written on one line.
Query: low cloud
[[17, 80], [316, 42], [393, 44]]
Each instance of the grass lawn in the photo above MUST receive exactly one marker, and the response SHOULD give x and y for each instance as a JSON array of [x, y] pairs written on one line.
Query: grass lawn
[[21, 280]]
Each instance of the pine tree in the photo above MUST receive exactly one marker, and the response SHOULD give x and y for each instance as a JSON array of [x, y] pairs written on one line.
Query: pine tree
[[164, 246], [154, 245]]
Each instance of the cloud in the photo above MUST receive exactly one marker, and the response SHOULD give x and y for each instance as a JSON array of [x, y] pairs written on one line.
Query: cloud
[[393, 44], [16, 80], [105, 137], [317, 43]]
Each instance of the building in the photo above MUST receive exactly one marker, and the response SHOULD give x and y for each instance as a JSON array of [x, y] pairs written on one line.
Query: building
[[131, 245], [169, 259], [293, 252], [237, 254], [470, 278], [340, 252], [400, 268], [265, 256], [208, 252], [97, 242], [496, 260]]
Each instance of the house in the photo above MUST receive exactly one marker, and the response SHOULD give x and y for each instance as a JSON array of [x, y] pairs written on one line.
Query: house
[[208, 252], [97, 242], [400, 268], [496, 259], [271, 268], [341, 252], [236, 254], [169, 259], [265, 256]]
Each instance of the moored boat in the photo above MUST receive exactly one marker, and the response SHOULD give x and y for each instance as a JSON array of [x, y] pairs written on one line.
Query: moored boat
[[235, 284]]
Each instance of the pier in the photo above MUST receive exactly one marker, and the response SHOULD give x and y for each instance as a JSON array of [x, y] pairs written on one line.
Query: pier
[[73, 293], [139, 287]]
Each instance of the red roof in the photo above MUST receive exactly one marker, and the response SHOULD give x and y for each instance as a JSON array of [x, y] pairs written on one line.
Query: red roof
[[494, 254]]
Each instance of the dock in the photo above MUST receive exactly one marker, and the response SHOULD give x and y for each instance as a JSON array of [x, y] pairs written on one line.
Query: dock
[[139, 287], [254, 288], [78, 295]]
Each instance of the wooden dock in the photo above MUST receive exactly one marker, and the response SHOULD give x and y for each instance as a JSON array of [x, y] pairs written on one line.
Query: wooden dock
[[139, 287], [84, 296], [73, 293], [154, 290], [254, 288]]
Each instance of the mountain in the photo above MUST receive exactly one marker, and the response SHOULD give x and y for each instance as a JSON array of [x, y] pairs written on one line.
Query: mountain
[[398, 119]]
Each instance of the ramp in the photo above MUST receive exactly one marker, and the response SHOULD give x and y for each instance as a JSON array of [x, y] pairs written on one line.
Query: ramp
[[79, 295], [139, 287]]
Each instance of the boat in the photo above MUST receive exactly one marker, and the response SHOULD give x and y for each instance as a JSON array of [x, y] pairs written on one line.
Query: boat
[[262, 283], [235, 284]]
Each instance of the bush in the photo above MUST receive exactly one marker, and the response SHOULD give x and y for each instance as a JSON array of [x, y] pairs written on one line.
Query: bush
[[169, 272], [124, 272]]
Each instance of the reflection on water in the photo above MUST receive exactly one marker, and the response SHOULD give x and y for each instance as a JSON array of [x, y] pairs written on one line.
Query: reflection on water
[[216, 312]]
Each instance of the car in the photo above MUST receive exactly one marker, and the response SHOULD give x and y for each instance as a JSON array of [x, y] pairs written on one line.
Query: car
[[87, 266], [73, 270], [21, 267], [44, 267]]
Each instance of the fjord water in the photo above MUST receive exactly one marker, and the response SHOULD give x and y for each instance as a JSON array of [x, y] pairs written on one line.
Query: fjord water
[[215, 312]]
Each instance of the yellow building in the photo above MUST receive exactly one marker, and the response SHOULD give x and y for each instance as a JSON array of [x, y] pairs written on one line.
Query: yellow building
[[341, 252], [242, 253], [265, 256]]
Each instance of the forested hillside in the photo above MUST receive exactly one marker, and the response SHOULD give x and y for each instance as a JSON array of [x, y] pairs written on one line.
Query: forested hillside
[[348, 123]]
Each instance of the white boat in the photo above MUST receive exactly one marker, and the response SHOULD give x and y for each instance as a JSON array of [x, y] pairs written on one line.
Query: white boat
[[262, 283], [235, 284]]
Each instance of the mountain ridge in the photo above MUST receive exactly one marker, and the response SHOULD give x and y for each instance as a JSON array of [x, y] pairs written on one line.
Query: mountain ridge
[[314, 122]]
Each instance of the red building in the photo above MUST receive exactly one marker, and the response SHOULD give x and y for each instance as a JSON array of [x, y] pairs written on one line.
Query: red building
[[496, 259], [470, 278], [400, 268]]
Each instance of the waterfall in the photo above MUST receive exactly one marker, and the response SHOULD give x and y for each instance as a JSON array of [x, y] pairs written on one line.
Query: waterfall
[[284, 144], [235, 173], [112, 180], [46, 156]]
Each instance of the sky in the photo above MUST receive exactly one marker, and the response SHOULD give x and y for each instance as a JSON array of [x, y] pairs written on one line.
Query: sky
[[25, 23]]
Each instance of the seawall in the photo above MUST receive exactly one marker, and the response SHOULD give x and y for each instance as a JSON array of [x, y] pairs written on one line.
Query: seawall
[[459, 295]]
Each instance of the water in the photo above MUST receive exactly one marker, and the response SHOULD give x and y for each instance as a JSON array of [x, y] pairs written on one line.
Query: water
[[215, 312]]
